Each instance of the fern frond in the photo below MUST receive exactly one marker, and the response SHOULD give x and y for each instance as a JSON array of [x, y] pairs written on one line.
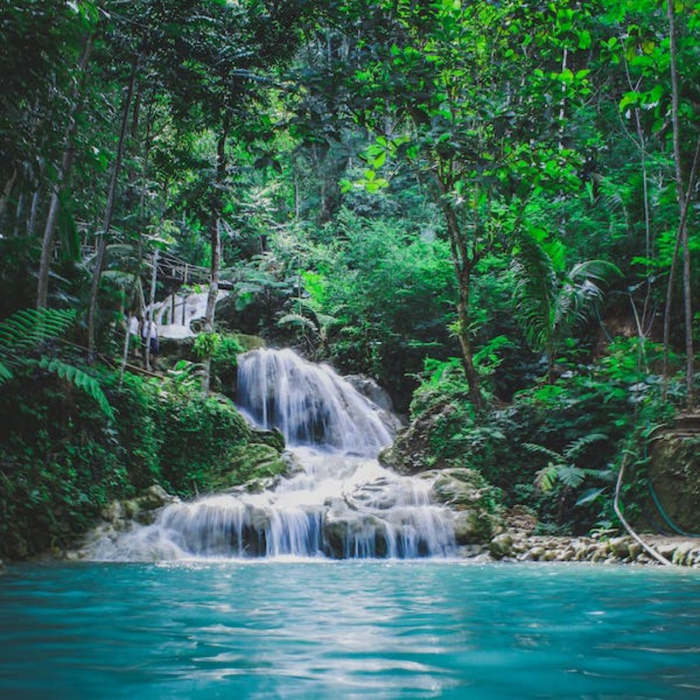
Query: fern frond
[[82, 380], [570, 476], [30, 328], [539, 449], [545, 478], [5, 373], [575, 447], [296, 319]]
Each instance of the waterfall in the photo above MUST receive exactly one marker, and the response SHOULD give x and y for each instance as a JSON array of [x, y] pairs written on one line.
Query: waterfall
[[309, 403], [339, 503], [174, 315]]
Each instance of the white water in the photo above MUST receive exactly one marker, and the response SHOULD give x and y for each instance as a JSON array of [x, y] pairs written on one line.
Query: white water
[[340, 502], [174, 315]]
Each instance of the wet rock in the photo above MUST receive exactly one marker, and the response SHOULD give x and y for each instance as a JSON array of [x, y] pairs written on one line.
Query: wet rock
[[635, 549], [156, 496], [369, 388], [272, 438], [619, 546], [536, 552], [250, 462], [680, 556], [500, 546], [411, 452]]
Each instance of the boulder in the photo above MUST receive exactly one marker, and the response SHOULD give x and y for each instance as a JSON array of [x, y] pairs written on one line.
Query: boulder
[[156, 496], [500, 545], [250, 462], [477, 516], [273, 438], [412, 451], [369, 388]]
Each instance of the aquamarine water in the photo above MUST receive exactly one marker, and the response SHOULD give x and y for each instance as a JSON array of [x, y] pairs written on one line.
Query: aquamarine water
[[351, 629]]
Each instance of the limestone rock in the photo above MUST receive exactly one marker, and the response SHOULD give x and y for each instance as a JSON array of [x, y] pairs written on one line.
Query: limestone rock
[[500, 545], [249, 462], [619, 546]]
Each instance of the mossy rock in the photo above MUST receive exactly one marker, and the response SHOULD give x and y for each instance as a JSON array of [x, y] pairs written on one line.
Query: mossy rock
[[248, 462], [674, 471], [249, 342], [272, 438]]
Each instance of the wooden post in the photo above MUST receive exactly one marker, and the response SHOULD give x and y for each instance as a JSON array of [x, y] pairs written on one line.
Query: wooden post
[[154, 279]]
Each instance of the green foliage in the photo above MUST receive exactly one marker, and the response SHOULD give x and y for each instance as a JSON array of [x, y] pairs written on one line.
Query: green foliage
[[550, 307], [383, 297], [29, 329], [26, 332], [81, 379], [206, 345], [557, 445], [61, 461]]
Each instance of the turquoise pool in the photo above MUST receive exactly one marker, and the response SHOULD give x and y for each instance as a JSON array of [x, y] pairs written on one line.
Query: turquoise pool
[[350, 629]]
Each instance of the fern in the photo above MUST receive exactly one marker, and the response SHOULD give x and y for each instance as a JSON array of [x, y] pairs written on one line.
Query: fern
[[298, 320], [28, 330], [31, 328], [546, 478], [5, 373], [576, 447], [570, 475], [540, 449], [81, 379]]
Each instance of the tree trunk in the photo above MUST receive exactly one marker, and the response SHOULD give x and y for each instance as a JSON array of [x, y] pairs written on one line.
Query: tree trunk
[[215, 240], [6, 196], [66, 163], [109, 211], [33, 211], [152, 301], [19, 214], [683, 199], [463, 266], [465, 344]]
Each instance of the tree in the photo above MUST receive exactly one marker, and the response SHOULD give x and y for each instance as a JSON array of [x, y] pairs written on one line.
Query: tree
[[473, 116]]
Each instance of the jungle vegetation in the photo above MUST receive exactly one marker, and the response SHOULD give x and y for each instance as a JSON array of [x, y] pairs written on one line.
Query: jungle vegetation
[[489, 206]]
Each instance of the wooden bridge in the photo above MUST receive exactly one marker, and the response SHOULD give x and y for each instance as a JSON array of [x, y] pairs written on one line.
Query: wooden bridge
[[171, 267]]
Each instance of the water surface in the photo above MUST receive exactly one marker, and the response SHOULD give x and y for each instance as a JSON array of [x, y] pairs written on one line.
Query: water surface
[[350, 629]]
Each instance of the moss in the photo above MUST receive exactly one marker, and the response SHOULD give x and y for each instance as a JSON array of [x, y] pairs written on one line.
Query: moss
[[249, 462], [249, 342]]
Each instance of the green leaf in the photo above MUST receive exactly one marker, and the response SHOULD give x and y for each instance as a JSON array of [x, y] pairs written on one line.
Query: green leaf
[[589, 496]]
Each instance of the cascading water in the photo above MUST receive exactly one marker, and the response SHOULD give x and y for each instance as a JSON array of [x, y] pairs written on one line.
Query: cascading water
[[340, 502]]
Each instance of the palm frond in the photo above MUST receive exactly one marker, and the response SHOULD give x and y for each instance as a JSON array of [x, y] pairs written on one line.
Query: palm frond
[[534, 290]]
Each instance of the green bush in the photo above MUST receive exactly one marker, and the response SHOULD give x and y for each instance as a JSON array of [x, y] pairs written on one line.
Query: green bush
[[614, 401], [62, 460]]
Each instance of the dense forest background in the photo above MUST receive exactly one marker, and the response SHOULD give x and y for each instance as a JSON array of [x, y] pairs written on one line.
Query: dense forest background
[[488, 206]]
